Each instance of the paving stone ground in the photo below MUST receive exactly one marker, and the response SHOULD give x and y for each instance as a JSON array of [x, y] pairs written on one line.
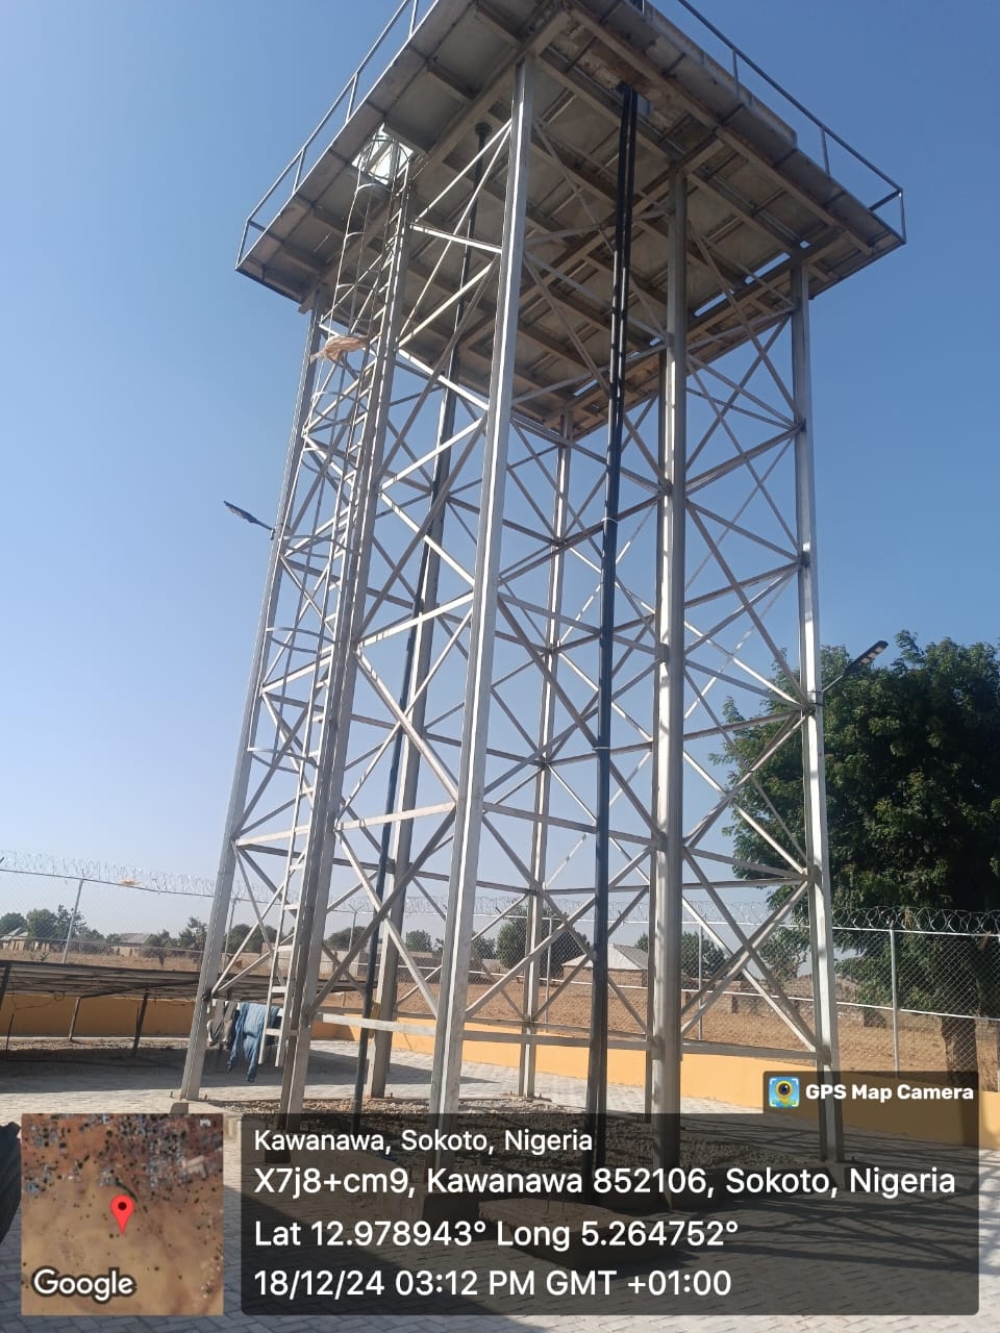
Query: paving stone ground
[[150, 1082]]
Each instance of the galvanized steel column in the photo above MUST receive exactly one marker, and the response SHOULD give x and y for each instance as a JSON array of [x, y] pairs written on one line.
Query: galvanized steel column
[[813, 763], [447, 1066], [597, 1065], [543, 782], [668, 730], [397, 843], [307, 945]]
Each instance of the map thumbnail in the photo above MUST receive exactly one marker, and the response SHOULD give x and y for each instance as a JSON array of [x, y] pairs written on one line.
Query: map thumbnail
[[121, 1214]]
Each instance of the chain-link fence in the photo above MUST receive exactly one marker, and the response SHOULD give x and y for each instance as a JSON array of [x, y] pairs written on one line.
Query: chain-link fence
[[913, 990]]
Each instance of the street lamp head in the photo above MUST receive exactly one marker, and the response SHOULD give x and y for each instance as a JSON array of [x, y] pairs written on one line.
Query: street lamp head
[[868, 656], [247, 516], [866, 659]]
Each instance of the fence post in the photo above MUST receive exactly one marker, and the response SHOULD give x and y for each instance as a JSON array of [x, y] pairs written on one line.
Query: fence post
[[139, 1021], [72, 920], [895, 999], [701, 936]]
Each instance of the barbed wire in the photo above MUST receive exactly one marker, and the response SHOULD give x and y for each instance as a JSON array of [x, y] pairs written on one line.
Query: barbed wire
[[102, 872], [942, 920]]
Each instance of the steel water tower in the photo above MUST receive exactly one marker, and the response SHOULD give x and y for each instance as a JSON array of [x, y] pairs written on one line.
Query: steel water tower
[[545, 545]]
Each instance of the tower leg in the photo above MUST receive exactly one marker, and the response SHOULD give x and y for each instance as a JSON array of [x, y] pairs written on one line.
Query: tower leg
[[447, 1067], [371, 425], [414, 700], [419, 655], [543, 782], [668, 733], [814, 775], [597, 1065]]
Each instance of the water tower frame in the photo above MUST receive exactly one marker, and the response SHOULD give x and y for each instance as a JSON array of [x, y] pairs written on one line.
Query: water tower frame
[[549, 495]]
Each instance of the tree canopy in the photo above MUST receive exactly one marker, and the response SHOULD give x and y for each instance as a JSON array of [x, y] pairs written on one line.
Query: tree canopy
[[913, 801], [238, 941], [711, 955], [512, 941], [912, 776], [43, 924], [419, 941], [193, 934]]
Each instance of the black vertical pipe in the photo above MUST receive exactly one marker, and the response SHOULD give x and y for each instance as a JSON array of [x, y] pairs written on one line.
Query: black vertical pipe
[[442, 468], [597, 1066]]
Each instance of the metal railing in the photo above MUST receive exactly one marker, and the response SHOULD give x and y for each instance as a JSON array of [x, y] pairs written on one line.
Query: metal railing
[[403, 23], [739, 62], [400, 28]]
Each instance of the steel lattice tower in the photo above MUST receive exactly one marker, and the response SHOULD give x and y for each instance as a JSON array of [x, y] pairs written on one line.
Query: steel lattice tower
[[547, 529]]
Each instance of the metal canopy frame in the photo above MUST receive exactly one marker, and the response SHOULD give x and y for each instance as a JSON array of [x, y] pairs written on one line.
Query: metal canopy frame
[[461, 684]]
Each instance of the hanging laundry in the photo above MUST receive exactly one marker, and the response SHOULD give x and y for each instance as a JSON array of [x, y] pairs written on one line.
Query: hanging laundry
[[246, 1035]]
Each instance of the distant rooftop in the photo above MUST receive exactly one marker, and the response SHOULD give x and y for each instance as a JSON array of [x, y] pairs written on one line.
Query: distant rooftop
[[621, 958]]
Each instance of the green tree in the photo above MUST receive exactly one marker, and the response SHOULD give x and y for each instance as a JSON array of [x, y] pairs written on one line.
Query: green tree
[[11, 921], [237, 939], [66, 921], [341, 939], [711, 955], [158, 946], [42, 924], [913, 788], [419, 941], [512, 937], [193, 934], [785, 950]]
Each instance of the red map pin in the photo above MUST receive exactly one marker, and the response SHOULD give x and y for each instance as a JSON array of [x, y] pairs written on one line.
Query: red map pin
[[121, 1210]]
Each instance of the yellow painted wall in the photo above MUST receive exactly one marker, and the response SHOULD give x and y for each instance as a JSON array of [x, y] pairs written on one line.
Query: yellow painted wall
[[101, 1016], [737, 1080], [112, 1016]]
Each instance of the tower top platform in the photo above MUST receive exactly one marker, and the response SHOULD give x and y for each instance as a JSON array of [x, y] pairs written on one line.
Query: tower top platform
[[770, 186]]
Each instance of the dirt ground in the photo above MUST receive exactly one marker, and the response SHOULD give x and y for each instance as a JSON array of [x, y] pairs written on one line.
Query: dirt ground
[[743, 1019], [189, 962]]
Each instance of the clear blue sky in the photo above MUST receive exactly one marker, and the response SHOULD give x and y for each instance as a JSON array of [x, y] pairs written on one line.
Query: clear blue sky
[[144, 381]]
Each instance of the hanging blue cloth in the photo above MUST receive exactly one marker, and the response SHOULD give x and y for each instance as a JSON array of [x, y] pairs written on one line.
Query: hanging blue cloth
[[246, 1035]]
